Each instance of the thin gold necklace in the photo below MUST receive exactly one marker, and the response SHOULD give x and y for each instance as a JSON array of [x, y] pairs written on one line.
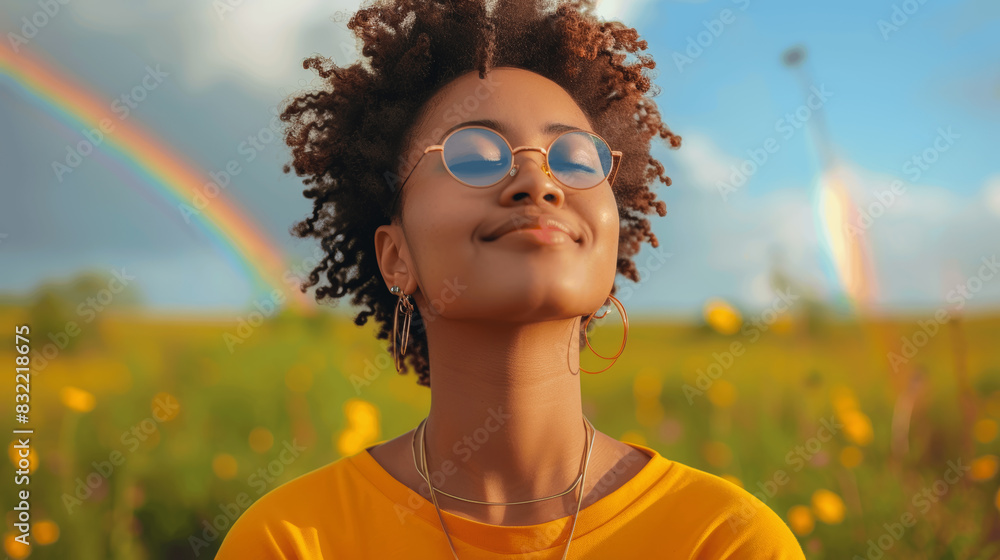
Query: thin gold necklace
[[437, 508], [420, 472]]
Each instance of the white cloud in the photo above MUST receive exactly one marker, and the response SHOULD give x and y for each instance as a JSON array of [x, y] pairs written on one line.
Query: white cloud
[[625, 11], [267, 40], [904, 219], [759, 291], [775, 229], [262, 42], [991, 194], [924, 238], [913, 238], [703, 162]]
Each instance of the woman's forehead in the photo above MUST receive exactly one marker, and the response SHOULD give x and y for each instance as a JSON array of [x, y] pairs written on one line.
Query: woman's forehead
[[505, 128], [511, 101]]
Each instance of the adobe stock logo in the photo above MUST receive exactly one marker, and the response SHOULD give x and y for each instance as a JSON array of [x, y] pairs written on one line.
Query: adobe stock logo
[[30, 27], [796, 458], [266, 306], [899, 17], [229, 512], [165, 408], [122, 107], [960, 295], [463, 448], [934, 492], [914, 168], [759, 156], [714, 28]]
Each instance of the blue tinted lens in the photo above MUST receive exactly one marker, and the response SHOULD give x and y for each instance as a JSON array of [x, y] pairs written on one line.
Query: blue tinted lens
[[580, 159], [477, 156]]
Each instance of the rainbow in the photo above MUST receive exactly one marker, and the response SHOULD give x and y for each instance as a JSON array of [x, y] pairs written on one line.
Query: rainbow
[[165, 173], [850, 261]]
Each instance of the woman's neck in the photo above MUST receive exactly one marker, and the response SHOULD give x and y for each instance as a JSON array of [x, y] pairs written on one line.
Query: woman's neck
[[505, 409]]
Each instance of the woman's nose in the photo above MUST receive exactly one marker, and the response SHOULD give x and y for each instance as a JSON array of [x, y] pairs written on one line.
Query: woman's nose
[[530, 179]]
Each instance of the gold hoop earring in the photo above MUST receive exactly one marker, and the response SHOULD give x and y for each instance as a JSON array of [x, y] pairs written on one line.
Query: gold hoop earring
[[621, 309], [406, 304]]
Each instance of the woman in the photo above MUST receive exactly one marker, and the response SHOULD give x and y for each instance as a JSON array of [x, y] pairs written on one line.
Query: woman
[[478, 188]]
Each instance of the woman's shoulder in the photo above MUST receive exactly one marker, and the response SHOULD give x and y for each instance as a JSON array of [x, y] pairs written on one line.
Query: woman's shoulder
[[730, 521], [281, 520], [324, 480]]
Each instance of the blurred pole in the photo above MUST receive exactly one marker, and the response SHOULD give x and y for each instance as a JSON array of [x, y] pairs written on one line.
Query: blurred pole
[[793, 58], [854, 266], [849, 262], [965, 394]]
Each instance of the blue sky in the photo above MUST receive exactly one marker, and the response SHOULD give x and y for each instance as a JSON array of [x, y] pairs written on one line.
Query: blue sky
[[890, 94], [890, 97]]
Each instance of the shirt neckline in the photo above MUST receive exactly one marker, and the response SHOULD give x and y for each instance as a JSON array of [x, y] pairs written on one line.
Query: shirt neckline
[[410, 505]]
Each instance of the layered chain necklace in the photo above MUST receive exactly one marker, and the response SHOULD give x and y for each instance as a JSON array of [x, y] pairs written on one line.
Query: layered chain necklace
[[581, 481]]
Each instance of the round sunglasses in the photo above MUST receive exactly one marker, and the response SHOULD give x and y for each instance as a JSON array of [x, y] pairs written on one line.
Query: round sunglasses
[[480, 157]]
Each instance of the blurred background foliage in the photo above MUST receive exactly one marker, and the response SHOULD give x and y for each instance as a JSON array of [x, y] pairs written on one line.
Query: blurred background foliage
[[324, 388]]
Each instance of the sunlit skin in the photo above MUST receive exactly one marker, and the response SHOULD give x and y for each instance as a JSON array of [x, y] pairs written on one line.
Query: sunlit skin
[[506, 339]]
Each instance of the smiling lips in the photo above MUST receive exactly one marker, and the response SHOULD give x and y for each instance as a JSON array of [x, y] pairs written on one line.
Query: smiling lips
[[545, 228]]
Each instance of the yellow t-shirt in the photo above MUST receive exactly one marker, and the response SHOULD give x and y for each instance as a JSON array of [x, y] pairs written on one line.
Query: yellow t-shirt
[[354, 509]]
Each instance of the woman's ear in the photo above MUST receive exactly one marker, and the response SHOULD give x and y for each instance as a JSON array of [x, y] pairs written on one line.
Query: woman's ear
[[393, 256]]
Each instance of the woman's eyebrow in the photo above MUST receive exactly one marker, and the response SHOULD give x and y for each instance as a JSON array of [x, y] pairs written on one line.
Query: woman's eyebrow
[[550, 128]]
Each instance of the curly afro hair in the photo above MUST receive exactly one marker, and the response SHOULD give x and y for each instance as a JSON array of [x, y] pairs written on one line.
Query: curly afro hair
[[349, 137]]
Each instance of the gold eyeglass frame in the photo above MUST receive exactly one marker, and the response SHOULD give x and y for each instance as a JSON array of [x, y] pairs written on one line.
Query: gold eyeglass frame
[[616, 157]]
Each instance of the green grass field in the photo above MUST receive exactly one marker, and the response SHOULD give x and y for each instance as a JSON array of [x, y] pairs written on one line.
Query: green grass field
[[173, 429]]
